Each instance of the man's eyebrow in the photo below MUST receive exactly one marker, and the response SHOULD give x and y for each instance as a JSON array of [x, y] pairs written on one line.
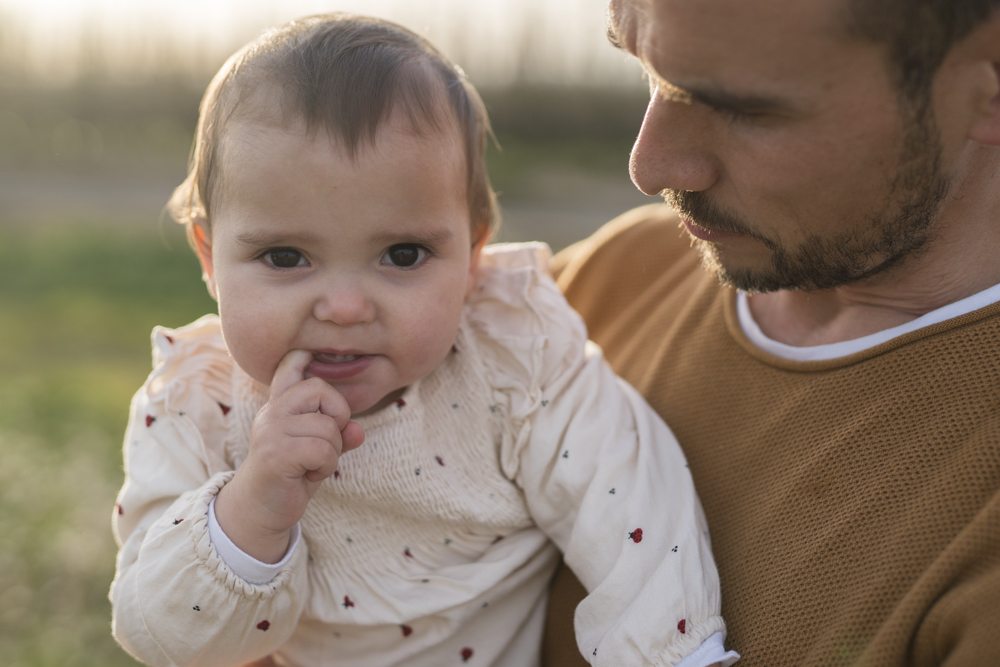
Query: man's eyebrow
[[266, 239], [612, 33], [720, 99]]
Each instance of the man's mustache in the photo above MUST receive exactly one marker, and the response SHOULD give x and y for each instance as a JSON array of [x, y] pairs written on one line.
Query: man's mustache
[[701, 210]]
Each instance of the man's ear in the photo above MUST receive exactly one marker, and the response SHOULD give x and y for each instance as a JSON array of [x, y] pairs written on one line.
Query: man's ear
[[986, 129], [203, 248], [986, 126]]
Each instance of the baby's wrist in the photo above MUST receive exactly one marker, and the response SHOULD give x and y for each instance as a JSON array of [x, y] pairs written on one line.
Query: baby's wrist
[[236, 517]]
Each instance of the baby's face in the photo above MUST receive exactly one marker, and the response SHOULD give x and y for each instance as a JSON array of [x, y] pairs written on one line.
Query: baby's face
[[364, 263]]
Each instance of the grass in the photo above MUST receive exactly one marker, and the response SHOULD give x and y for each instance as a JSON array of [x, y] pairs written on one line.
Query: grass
[[76, 307]]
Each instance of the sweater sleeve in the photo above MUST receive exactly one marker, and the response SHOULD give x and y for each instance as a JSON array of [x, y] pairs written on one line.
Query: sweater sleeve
[[602, 474], [175, 602]]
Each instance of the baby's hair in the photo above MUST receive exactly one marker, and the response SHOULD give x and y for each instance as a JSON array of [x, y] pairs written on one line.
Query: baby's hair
[[344, 74]]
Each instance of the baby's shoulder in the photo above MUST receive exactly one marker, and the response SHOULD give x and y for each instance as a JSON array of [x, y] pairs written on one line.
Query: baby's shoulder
[[519, 314], [191, 367]]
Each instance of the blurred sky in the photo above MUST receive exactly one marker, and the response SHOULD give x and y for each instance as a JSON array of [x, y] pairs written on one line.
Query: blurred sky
[[496, 41]]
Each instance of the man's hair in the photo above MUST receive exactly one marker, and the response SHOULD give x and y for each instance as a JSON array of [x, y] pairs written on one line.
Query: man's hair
[[917, 34], [346, 75]]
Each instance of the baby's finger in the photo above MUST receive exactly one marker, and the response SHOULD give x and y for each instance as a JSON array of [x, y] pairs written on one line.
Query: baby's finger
[[315, 395], [352, 436], [291, 370], [314, 425], [319, 458], [319, 425]]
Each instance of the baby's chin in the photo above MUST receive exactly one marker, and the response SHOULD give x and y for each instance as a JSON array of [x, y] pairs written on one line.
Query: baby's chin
[[361, 406]]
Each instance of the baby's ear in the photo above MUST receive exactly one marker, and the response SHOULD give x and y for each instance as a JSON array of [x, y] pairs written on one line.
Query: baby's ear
[[477, 250], [203, 247]]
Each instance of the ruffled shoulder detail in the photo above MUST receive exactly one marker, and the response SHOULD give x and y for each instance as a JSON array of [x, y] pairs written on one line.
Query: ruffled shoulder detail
[[534, 254], [528, 333], [192, 380]]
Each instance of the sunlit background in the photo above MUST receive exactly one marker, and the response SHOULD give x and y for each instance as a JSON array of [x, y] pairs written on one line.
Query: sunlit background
[[98, 101]]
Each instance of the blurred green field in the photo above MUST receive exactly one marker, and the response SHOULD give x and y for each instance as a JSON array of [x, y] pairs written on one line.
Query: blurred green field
[[76, 307]]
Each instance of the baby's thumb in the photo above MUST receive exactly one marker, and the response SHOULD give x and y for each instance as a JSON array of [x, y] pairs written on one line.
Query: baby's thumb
[[352, 436], [291, 370]]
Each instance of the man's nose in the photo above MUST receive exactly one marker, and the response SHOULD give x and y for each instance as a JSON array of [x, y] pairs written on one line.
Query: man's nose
[[344, 304], [671, 150]]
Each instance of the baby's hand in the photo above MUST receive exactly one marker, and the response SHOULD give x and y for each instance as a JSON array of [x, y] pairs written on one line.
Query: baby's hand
[[295, 443]]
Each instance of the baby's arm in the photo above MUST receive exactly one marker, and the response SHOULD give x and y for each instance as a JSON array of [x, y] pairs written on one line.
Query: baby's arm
[[175, 601], [607, 481], [295, 444]]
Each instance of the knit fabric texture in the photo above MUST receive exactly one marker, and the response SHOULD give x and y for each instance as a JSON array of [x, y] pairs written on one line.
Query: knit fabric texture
[[854, 503]]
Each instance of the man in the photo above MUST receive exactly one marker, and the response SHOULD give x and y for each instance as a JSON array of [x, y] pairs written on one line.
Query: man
[[836, 165]]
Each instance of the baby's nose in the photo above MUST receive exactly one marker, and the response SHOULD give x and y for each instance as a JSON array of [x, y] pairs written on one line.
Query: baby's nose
[[344, 305]]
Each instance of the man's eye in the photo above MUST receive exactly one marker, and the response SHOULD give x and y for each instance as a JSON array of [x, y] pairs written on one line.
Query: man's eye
[[404, 254], [737, 116], [283, 258]]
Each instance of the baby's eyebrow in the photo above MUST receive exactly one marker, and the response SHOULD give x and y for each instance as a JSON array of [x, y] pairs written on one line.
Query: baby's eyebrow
[[268, 239], [429, 237]]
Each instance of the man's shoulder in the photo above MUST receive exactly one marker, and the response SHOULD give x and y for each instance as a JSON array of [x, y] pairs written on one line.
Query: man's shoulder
[[603, 275], [645, 232]]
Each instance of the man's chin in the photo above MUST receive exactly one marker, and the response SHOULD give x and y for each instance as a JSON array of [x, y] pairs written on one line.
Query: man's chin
[[781, 270], [740, 275]]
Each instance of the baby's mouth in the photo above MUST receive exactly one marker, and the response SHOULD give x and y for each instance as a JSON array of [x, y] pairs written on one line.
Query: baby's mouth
[[330, 366], [326, 358]]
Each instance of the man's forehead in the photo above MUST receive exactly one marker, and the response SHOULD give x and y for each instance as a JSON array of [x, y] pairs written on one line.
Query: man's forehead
[[732, 42], [727, 19]]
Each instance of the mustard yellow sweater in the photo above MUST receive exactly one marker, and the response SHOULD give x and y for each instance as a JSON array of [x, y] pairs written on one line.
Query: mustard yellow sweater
[[854, 504]]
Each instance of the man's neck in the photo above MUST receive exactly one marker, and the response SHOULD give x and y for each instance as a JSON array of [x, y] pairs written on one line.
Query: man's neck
[[963, 258], [832, 316]]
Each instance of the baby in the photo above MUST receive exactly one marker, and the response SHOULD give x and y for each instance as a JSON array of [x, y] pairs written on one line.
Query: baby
[[339, 204]]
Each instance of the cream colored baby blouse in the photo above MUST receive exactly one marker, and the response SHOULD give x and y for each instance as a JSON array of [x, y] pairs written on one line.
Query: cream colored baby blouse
[[435, 541]]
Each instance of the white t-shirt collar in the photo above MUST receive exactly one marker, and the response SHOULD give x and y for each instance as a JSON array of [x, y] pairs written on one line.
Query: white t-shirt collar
[[834, 350]]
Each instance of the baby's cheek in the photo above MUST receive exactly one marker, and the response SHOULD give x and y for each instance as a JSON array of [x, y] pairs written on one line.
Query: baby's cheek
[[429, 346], [251, 344]]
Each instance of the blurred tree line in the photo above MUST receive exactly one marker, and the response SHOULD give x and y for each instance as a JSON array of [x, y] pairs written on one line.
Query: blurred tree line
[[95, 121]]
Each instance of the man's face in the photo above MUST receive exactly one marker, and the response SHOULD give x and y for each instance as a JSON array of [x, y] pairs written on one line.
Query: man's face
[[780, 142]]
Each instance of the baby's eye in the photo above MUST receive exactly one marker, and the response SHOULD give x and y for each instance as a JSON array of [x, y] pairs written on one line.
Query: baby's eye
[[283, 258], [404, 255]]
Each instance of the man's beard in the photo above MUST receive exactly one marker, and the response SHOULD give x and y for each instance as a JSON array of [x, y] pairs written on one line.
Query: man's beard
[[899, 230]]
